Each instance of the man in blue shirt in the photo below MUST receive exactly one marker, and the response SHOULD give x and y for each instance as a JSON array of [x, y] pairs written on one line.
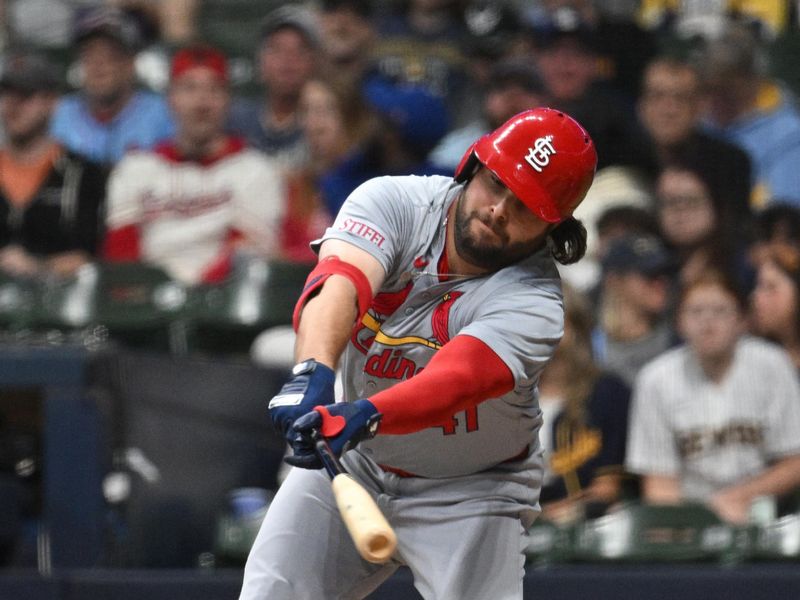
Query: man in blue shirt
[[753, 111], [108, 115]]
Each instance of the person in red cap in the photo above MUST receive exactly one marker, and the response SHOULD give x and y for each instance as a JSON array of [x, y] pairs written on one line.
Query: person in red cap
[[440, 300], [196, 200]]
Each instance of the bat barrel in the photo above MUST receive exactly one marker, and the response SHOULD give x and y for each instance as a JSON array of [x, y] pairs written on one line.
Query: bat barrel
[[372, 535], [380, 547]]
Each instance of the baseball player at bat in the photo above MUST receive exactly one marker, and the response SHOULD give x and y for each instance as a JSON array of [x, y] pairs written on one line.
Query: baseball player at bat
[[440, 301]]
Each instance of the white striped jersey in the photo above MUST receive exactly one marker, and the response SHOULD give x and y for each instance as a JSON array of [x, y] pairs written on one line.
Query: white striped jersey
[[714, 434]]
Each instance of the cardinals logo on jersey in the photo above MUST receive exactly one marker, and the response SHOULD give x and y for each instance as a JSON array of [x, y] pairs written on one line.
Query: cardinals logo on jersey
[[393, 362]]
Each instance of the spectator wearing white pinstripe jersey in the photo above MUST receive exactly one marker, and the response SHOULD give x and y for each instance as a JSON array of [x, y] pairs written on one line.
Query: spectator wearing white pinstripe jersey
[[718, 419]]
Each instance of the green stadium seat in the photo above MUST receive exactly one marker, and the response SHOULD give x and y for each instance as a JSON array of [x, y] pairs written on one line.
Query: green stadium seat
[[141, 306], [644, 533], [549, 543], [227, 317], [17, 302], [778, 540], [67, 304]]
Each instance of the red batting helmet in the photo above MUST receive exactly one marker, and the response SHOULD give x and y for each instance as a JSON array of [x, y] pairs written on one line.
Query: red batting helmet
[[543, 156]]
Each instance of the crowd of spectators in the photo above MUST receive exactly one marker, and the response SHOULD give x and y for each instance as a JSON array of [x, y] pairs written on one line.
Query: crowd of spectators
[[687, 304]]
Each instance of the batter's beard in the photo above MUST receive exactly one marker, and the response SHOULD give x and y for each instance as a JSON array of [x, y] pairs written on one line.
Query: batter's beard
[[490, 257]]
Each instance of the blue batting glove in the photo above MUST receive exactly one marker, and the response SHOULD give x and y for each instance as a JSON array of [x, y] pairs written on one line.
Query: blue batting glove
[[343, 425], [311, 385]]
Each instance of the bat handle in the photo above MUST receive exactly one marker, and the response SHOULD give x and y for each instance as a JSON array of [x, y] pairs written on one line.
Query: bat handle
[[328, 458]]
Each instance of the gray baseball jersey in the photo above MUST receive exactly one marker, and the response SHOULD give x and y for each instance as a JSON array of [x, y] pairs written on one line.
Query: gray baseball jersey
[[481, 470], [712, 435], [517, 312]]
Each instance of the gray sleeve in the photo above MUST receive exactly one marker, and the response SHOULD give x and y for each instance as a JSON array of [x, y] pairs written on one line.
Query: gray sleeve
[[377, 218], [783, 427], [522, 324], [651, 444]]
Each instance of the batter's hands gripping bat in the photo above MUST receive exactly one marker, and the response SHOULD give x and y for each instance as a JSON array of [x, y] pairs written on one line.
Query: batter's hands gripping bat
[[372, 535]]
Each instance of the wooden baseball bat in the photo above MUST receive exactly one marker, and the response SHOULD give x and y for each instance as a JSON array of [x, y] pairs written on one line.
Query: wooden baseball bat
[[372, 535]]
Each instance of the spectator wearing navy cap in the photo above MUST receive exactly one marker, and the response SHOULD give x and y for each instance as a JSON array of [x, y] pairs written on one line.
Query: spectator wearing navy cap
[[632, 325], [108, 115], [288, 56], [196, 202], [50, 199], [348, 36]]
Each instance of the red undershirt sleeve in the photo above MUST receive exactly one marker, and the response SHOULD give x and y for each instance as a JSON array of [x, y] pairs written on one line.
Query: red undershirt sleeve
[[464, 373]]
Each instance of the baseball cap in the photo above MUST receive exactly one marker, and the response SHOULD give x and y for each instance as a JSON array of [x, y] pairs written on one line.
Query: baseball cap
[[419, 115], [564, 23], [291, 16], [637, 253], [111, 23], [491, 27], [199, 56], [28, 72]]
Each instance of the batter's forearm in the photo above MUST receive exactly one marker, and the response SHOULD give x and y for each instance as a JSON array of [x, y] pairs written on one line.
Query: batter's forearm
[[327, 322], [446, 386], [337, 293]]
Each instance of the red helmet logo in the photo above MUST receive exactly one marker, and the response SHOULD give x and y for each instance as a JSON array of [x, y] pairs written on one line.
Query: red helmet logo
[[542, 155]]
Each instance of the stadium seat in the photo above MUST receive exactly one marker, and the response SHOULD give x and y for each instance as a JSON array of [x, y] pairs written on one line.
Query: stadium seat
[[777, 540], [141, 306], [549, 543], [644, 533], [258, 296], [17, 301], [67, 304]]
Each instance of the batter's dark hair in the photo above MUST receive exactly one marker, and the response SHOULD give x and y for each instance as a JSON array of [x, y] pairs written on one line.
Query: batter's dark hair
[[567, 241]]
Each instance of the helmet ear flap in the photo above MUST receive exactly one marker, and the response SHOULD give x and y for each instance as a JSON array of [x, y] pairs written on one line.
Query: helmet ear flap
[[467, 167]]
